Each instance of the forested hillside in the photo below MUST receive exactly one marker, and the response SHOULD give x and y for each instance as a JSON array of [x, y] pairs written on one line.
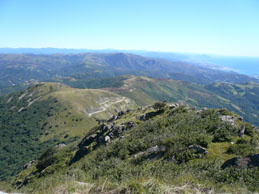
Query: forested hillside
[[46, 115]]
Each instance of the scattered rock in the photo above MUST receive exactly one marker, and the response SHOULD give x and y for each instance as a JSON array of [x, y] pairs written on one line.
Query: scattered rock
[[104, 134], [28, 165], [242, 162], [60, 146], [228, 118], [172, 106], [113, 118], [256, 128], [201, 110], [242, 131], [107, 139], [149, 115], [151, 152], [198, 149]]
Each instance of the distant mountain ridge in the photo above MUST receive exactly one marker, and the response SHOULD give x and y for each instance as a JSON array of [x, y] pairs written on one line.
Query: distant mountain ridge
[[25, 68], [239, 64]]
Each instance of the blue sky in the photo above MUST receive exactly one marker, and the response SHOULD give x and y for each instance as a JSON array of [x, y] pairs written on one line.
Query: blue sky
[[224, 27]]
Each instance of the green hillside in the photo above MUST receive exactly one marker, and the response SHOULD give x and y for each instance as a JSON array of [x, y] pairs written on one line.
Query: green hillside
[[48, 114], [240, 98], [158, 149]]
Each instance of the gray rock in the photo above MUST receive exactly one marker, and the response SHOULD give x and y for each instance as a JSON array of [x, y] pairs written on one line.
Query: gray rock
[[256, 129], [198, 149], [228, 118], [60, 146], [28, 165], [113, 118], [201, 110], [242, 162], [107, 139], [242, 131], [153, 150]]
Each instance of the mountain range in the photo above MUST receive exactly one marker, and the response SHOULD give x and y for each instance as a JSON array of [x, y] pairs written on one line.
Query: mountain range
[[24, 69], [240, 64]]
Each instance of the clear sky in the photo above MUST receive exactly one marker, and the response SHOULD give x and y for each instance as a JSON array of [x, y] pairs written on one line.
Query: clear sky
[[226, 27]]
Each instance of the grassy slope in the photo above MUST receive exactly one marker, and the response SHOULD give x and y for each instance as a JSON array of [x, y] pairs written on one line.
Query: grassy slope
[[243, 97], [57, 115], [240, 98], [113, 167]]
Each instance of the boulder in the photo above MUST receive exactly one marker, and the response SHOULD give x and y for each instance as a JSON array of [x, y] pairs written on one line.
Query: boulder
[[242, 162], [172, 106], [60, 146], [242, 131], [228, 118], [198, 149], [151, 151], [201, 110], [113, 118], [149, 115], [107, 139], [28, 165]]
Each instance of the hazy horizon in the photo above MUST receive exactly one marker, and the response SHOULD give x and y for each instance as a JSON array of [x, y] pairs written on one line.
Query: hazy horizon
[[225, 28], [129, 50]]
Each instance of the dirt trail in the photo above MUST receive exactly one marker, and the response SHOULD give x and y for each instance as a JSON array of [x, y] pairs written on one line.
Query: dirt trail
[[106, 105]]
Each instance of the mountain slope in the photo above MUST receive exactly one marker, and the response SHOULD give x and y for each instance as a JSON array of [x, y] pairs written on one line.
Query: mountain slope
[[49, 114], [240, 98], [157, 149]]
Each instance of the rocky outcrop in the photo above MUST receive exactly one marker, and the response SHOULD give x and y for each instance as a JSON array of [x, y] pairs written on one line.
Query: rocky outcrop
[[229, 119], [151, 152], [172, 106], [242, 162], [103, 135]]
